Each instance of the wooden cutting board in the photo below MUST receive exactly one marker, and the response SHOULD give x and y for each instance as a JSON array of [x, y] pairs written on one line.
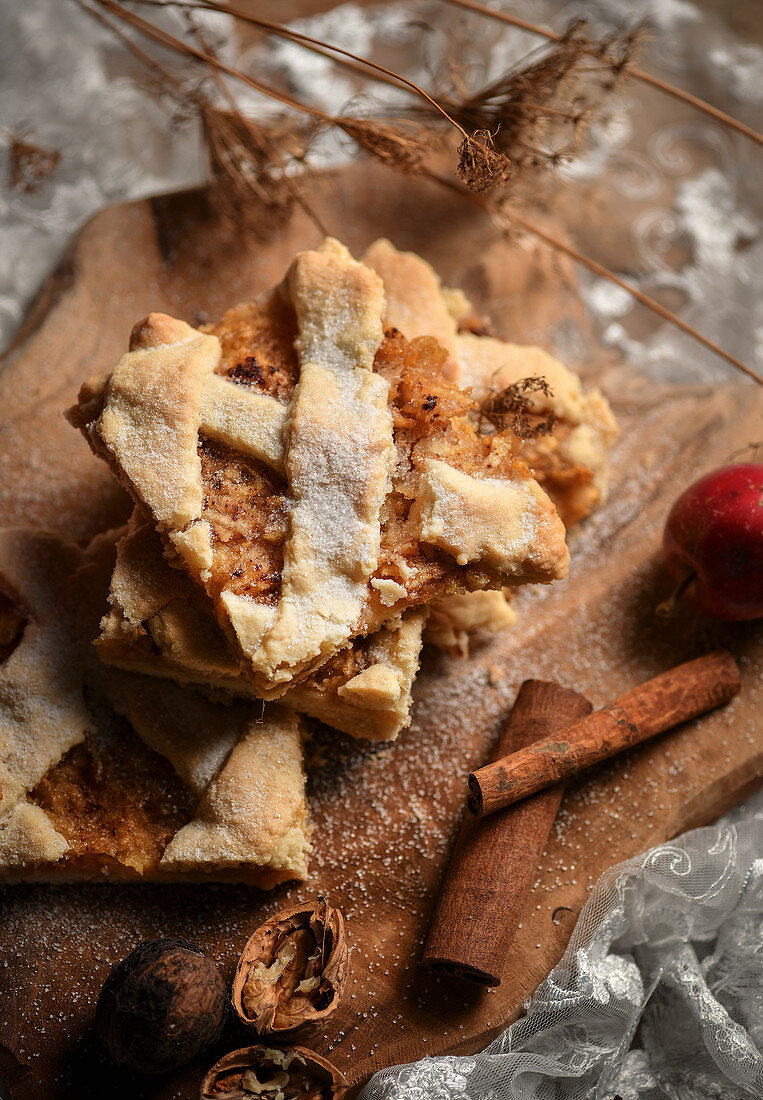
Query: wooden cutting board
[[385, 816]]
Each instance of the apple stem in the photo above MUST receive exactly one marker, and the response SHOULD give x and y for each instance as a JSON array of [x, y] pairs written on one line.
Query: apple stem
[[667, 609]]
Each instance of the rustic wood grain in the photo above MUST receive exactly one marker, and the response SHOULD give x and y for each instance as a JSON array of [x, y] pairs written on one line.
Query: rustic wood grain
[[494, 862], [385, 816]]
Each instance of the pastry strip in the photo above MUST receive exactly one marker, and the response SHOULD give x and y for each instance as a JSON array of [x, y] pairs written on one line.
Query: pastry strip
[[42, 713], [246, 771], [338, 460], [489, 520]]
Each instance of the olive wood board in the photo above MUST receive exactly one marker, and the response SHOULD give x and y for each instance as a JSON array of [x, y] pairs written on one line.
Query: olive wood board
[[385, 816]]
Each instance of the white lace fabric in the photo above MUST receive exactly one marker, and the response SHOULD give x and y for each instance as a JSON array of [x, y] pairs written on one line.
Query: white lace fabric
[[659, 995]]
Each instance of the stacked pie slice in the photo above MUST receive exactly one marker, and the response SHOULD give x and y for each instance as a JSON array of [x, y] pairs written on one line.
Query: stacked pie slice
[[315, 490], [107, 774]]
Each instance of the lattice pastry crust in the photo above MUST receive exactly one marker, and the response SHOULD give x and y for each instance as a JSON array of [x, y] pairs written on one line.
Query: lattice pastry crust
[[190, 789], [316, 475], [162, 624]]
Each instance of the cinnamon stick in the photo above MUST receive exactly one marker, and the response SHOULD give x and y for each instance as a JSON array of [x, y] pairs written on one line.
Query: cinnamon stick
[[492, 867], [659, 704]]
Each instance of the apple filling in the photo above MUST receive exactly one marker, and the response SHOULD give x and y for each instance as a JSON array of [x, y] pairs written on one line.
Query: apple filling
[[245, 503], [257, 344], [112, 798]]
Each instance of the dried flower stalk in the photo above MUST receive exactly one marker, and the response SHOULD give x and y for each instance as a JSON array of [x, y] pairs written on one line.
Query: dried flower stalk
[[644, 299], [399, 148], [627, 68], [244, 186], [247, 163], [304, 40], [538, 111], [492, 163], [542, 110], [503, 120], [502, 215], [247, 168]]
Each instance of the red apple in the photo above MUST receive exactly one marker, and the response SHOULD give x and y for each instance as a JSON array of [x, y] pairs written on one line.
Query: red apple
[[713, 542]]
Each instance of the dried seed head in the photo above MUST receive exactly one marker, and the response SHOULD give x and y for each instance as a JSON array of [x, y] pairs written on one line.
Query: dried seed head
[[512, 409], [245, 176], [539, 110], [480, 165], [273, 1074], [403, 147], [293, 970]]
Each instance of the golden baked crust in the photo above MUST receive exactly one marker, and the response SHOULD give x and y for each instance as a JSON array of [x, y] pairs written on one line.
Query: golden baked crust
[[189, 789], [305, 548], [339, 459], [162, 624], [244, 767]]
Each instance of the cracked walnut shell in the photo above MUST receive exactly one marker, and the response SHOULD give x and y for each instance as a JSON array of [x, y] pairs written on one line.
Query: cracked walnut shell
[[293, 970], [286, 1073]]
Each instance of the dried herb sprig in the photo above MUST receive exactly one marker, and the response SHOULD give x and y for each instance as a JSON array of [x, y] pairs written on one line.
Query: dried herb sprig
[[627, 68], [247, 161], [245, 189], [247, 168], [245, 157], [502, 125], [497, 126], [512, 408], [399, 146]]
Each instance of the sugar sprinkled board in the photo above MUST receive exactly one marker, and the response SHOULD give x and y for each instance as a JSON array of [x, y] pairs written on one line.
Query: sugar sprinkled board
[[385, 816]]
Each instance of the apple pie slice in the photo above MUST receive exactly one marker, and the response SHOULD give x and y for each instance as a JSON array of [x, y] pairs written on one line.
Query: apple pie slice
[[315, 474], [108, 775], [162, 624], [570, 462]]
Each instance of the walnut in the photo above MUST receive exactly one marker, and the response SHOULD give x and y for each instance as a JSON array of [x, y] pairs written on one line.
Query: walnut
[[161, 1006], [293, 970], [286, 1073]]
